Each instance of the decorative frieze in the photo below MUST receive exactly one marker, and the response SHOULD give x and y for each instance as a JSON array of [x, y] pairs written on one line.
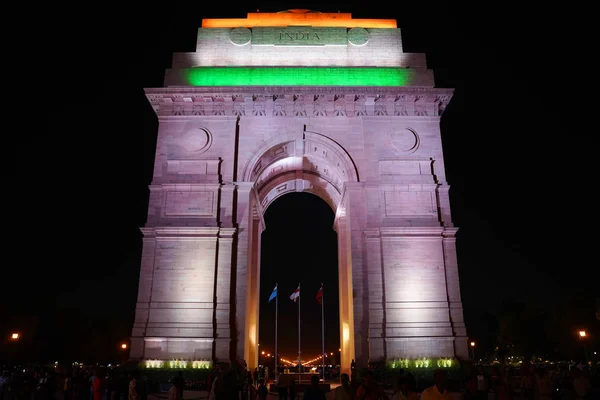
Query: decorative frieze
[[300, 101]]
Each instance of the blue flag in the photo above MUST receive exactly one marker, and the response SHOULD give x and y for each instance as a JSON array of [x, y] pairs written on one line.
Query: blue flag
[[273, 294]]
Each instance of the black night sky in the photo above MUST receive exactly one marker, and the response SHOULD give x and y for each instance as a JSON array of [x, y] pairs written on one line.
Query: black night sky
[[518, 142]]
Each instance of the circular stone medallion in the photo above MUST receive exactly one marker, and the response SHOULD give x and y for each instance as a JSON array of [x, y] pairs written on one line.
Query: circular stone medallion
[[405, 140], [240, 36], [196, 140], [358, 36]]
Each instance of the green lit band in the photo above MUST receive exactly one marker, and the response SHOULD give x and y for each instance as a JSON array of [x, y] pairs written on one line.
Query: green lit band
[[292, 76]]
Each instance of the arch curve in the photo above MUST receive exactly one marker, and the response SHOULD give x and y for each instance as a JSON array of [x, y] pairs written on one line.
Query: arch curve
[[313, 145], [312, 163]]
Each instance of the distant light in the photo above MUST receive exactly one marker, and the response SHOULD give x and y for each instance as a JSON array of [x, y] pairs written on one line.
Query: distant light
[[594, 353], [263, 353], [472, 344], [15, 336], [124, 346], [331, 353], [268, 354], [582, 334], [339, 349]]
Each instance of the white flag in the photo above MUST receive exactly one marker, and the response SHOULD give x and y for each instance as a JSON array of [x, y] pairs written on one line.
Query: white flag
[[295, 295]]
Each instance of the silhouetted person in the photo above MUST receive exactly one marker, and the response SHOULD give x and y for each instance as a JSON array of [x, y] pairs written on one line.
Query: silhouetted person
[[133, 388], [292, 390], [283, 392], [438, 390], [255, 376], [314, 392], [262, 389], [344, 391], [179, 383], [369, 389]]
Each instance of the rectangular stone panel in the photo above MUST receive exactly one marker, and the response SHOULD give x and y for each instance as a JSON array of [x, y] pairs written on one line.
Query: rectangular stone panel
[[193, 167], [299, 36], [420, 347], [403, 203], [415, 315], [184, 271], [180, 316], [178, 349], [404, 167], [413, 272], [194, 203]]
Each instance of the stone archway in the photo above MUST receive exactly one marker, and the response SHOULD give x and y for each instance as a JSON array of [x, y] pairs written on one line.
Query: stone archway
[[314, 164], [232, 140]]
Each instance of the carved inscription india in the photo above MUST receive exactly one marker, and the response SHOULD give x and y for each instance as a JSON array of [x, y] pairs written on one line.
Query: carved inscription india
[[291, 36], [299, 36]]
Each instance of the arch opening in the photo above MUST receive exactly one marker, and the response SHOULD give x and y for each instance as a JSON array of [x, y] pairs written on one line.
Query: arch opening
[[319, 166], [299, 245]]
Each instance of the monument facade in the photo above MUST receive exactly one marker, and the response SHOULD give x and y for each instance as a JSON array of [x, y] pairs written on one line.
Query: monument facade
[[299, 101]]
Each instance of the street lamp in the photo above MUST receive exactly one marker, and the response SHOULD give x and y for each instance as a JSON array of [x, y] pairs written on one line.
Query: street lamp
[[123, 347], [582, 336], [15, 336], [473, 350]]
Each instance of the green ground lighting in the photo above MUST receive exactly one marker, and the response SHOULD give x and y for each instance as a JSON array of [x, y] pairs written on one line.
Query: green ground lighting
[[296, 76]]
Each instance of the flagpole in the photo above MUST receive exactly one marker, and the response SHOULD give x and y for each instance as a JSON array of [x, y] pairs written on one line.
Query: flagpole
[[299, 353], [276, 306], [322, 332]]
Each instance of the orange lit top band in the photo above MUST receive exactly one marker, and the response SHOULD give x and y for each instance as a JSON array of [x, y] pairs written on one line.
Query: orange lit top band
[[298, 18]]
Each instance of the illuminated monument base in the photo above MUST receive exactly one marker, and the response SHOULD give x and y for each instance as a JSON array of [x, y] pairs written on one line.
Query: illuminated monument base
[[369, 144]]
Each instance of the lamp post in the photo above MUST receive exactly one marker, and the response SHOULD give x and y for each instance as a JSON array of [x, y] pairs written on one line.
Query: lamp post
[[582, 337], [123, 347], [14, 338], [472, 344]]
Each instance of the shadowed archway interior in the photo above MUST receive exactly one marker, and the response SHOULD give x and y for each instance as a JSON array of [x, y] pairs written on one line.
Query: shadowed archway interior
[[294, 222]]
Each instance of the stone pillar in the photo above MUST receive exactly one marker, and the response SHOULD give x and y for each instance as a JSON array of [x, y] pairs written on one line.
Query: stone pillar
[[459, 330], [376, 296], [246, 325], [253, 286], [241, 220], [416, 300], [224, 302], [345, 291], [142, 309], [356, 213], [223, 299]]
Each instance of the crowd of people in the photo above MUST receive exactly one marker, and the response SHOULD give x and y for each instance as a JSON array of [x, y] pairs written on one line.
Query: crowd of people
[[55, 383], [528, 382]]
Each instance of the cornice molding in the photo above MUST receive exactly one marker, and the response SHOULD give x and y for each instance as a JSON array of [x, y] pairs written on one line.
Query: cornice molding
[[412, 231], [163, 232], [301, 101]]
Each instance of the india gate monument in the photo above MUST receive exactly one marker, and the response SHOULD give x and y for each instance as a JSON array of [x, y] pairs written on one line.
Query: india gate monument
[[298, 101]]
